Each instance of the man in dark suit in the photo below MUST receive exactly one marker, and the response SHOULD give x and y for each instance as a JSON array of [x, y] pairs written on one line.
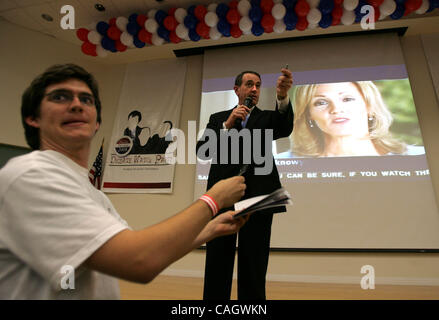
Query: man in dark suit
[[254, 238]]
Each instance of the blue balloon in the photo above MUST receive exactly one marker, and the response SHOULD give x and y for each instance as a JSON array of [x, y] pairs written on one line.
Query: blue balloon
[[326, 21], [290, 20], [401, 2], [289, 4], [138, 43], [133, 28], [191, 10], [190, 21], [160, 15], [326, 6], [133, 17], [255, 3], [221, 10], [102, 27], [255, 14], [434, 3], [257, 29], [223, 27], [163, 33], [193, 35], [108, 44], [357, 11], [398, 13]]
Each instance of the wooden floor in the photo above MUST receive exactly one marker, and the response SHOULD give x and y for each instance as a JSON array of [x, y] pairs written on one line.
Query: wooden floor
[[185, 288]]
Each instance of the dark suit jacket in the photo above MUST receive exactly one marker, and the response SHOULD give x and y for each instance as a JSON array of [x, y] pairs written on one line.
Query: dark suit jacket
[[282, 126]]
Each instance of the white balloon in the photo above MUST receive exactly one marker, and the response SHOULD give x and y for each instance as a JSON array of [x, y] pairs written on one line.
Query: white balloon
[[278, 11], [312, 25], [350, 5], [94, 37], [211, 19], [180, 14], [245, 24], [348, 17], [424, 7], [212, 7], [181, 31], [277, 1], [387, 7], [244, 7], [157, 40], [151, 25], [214, 34], [121, 23], [279, 26], [313, 3], [247, 32], [314, 16], [151, 13], [126, 39], [101, 52]]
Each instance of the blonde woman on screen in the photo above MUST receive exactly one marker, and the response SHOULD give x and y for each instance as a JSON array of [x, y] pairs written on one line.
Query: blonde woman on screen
[[343, 119]]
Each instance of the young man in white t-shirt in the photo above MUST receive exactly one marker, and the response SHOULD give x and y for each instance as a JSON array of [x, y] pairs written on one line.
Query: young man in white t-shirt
[[54, 223]]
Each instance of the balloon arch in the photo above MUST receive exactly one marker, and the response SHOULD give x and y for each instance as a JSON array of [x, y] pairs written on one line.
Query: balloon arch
[[235, 19]]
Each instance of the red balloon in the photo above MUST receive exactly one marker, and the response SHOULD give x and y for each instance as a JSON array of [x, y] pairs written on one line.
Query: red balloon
[[89, 49], [375, 3], [202, 29], [141, 18], [233, 4], [113, 33], [335, 21], [145, 36], [412, 5], [112, 22], [173, 37], [302, 23], [377, 13], [337, 12], [267, 22], [170, 23], [120, 46], [338, 2], [200, 11], [233, 16], [172, 11], [235, 31], [267, 5], [82, 34], [301, 8]]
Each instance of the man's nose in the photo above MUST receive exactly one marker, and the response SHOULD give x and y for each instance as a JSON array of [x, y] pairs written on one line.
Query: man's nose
[[76, 104]]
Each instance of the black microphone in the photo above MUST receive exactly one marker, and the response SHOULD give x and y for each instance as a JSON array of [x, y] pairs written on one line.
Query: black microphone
[[248, 102]]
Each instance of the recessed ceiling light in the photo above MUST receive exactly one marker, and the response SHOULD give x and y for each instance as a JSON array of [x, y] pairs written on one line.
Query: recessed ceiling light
[[47, 17], [99, 7]]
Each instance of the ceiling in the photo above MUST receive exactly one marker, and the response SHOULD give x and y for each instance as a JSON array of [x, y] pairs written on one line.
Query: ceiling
[[28, 14]]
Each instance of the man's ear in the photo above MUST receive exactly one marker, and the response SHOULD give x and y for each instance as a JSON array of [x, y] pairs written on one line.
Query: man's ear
[[98, 125], [236, 89], [32, 121]]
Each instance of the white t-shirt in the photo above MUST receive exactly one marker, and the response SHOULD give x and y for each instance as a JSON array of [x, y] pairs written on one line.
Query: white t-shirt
[[50, 217]]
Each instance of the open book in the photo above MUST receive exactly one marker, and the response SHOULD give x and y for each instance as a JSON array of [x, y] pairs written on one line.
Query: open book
[[278, 198]]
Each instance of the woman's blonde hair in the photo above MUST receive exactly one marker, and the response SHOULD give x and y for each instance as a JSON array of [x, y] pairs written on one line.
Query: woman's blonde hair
[[309, 140]]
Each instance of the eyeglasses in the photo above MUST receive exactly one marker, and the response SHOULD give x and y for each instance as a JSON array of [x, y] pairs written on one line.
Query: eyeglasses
[[63, 96]]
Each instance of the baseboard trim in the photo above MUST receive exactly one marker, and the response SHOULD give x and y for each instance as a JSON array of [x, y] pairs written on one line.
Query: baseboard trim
[[318, 279]]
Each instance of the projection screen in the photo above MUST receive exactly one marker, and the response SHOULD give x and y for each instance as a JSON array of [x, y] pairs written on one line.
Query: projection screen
[[353, 200]]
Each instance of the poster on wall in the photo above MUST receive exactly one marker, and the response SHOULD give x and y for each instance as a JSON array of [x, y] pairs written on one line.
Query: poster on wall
[[149, 107]]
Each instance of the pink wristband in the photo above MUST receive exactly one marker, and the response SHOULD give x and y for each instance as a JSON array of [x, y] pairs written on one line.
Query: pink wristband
[[211, 203]]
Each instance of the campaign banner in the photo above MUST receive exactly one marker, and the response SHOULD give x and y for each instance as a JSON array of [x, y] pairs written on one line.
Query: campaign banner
[[149, 107]]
